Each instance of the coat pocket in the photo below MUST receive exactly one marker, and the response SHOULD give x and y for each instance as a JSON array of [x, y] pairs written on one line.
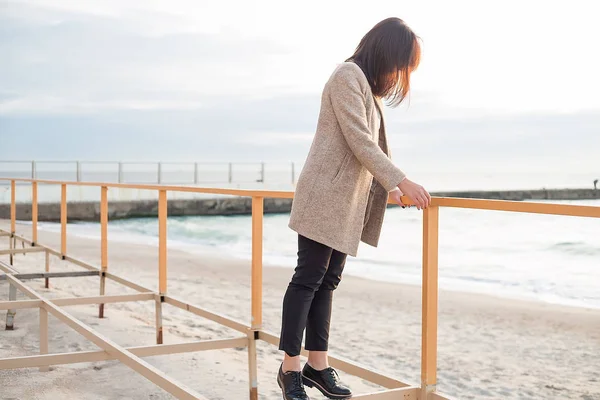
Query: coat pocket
[[343, 164]]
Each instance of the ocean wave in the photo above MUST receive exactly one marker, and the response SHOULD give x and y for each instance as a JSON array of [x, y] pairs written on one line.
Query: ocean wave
[[576, 248]]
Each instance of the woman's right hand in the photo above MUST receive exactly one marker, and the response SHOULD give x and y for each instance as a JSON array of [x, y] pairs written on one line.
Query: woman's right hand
[[416, 193]]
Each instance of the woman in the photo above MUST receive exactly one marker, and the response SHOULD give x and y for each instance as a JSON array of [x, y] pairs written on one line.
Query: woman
[[341, 196]]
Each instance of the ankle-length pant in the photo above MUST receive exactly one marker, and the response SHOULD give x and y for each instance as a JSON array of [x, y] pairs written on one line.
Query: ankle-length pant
[[308, 299]]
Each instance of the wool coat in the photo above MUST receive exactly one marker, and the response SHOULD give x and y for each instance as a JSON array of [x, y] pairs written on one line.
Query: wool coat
[[337, 202]]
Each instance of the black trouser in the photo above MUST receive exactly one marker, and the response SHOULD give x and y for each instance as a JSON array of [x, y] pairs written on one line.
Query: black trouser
[[307, 301]]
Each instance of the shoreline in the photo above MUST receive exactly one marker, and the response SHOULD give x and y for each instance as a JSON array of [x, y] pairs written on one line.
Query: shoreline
[[489, 348]]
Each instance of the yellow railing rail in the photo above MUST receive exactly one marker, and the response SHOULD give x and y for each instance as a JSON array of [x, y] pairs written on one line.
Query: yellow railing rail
[[427, 388]]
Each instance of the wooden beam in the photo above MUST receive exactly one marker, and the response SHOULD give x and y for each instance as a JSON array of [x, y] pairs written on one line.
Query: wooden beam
[[351, 367], [407, 393], [226, 321], [43, 335], [101, 355], [126, 282], [47, 269], [189, 189], [429, 301], [63, 220], [23, 288], [19, 304], [122, 298], [13, 206], [252, 365], [80, 263], [41, 275], [500, 205], [257, 261], [15, 251], [162, 241], [103, 244], [34, 212], [137, 364], [158, 318], [7, 269], [11, 312], [519, 206]]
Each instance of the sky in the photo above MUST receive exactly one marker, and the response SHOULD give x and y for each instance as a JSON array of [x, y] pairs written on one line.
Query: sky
[[502, 84]]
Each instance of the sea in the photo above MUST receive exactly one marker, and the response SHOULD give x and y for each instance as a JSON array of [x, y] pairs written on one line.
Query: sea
[[552, 259]]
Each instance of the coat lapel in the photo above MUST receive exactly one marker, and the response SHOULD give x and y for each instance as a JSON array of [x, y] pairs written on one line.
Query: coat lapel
[[382, 135]]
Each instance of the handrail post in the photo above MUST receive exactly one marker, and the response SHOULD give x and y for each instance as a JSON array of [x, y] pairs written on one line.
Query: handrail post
[[10, 313], [103, 244], [13, 218], [13, 206], [78, 165], [262, 172], [293, 173], [63, 220], [162, 262], [257, 272], [120, 178], [33, 170], [47, 269], [230, 172], [195, 173], [257, 260], [44, 336], [429, 301], [34, 213]]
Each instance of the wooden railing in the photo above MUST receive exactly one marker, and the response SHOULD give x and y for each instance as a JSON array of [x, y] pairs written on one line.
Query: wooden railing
[[254, 331]]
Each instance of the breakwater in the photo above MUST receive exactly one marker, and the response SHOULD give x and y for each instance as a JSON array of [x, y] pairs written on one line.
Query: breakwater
[[90, 211]]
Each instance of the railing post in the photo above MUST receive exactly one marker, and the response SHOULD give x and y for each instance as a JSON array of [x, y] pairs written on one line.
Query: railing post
[[103, 244], [162, 262], [44, 335], [257, 260], [47, 269], [10, 314], [120, 172], [34, 213], [63, 220], [230, 172], [196, 173], [293, 173], [429, 301], [257, 265], [33, 170], [78, 164], [13, 218], [262, 172]]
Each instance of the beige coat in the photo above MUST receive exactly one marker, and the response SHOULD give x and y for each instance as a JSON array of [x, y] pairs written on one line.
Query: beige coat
[[335, 202]]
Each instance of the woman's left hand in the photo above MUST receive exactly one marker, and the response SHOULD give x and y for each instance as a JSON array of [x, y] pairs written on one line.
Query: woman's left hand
[[396, 196]]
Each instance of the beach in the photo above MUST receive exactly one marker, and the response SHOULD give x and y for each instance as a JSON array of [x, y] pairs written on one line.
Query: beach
[[489, 347]]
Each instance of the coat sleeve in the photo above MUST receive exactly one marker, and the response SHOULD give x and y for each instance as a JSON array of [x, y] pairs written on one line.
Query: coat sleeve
[[349, 106]]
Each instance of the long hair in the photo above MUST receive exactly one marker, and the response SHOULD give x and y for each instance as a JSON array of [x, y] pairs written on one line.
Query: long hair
[[388, 54]]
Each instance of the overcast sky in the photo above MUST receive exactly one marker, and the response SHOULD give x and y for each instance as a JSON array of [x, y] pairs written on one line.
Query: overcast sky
[[511, 84]]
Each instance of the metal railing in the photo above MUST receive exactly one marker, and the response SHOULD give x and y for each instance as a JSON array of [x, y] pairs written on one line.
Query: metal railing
[[396, 389], [192, 173]]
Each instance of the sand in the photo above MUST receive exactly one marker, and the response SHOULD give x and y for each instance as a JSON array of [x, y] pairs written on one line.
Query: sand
[[489, 348]]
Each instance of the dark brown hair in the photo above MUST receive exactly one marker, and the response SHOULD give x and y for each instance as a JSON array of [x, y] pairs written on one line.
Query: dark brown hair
[[388, 54]]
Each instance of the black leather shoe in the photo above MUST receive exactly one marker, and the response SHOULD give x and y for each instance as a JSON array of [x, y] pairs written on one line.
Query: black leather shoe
[[327, 381], [291, 385]]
